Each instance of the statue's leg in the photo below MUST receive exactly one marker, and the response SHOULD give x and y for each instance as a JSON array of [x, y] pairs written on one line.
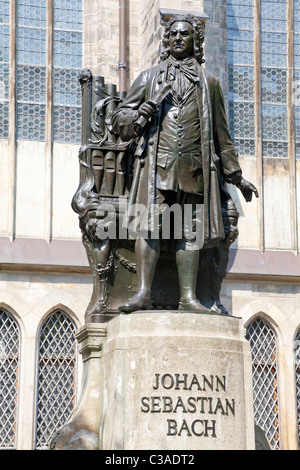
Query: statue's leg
[[98, 254], [147, 254], [187, 265], [187, 256]]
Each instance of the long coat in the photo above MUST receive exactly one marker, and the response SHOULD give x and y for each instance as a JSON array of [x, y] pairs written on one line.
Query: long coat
[[219, 160]]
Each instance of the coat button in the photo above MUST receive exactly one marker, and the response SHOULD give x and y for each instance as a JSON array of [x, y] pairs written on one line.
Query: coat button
[[151, 141]]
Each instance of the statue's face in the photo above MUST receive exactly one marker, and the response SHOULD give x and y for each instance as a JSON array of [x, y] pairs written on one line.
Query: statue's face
[[181, 40]]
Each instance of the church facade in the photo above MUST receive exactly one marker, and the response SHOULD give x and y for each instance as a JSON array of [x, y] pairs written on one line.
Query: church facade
[[252, 46]]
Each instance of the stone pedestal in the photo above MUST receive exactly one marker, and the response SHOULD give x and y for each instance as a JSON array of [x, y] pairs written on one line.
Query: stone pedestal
[[162, 380]]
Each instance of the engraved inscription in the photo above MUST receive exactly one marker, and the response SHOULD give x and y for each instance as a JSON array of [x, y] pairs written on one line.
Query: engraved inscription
[[185, 404]]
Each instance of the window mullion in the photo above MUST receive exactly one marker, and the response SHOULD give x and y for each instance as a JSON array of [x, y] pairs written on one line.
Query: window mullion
[[49, 66], [291, 123], [12, 118], [258, 120], [49, 122]]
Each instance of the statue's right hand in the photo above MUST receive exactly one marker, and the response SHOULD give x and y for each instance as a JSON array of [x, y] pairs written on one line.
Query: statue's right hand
[[147, 109]]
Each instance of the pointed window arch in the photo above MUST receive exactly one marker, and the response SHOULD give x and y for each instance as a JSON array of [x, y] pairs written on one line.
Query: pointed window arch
[[57, 371], [297, 378], [10, 340], [265, 378]]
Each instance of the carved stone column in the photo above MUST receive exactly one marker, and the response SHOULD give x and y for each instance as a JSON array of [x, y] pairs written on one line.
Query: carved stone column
[[81, 432]]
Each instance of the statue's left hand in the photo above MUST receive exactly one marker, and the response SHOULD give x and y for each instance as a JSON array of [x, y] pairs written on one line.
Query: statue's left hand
[[247, 189]]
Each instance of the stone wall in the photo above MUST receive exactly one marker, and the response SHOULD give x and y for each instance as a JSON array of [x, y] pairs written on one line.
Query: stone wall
[[101, 34], [151, 29], [101, 37]]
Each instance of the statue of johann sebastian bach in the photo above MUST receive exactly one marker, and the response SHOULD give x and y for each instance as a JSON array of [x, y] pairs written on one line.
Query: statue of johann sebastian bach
[[185, 153]]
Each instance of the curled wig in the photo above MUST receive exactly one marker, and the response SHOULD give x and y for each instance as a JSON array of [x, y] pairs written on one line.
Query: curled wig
[[198, 37]]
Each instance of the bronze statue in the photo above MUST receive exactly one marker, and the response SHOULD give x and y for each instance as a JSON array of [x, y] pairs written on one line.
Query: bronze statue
[[185, 153], [163, 145]]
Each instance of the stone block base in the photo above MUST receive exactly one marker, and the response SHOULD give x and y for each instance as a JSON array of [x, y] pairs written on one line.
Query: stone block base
[[162, 380]]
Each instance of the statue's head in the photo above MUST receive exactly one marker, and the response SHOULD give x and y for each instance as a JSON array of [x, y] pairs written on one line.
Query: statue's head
[[183, 37]]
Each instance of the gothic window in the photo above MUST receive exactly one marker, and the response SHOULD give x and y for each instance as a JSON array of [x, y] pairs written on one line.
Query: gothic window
[[265, 378], [40, 96], [241, 75], [273, 23], [297, 378], [57, 367], [259, 78], [31, 69], [9, 379], [67, 60]]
